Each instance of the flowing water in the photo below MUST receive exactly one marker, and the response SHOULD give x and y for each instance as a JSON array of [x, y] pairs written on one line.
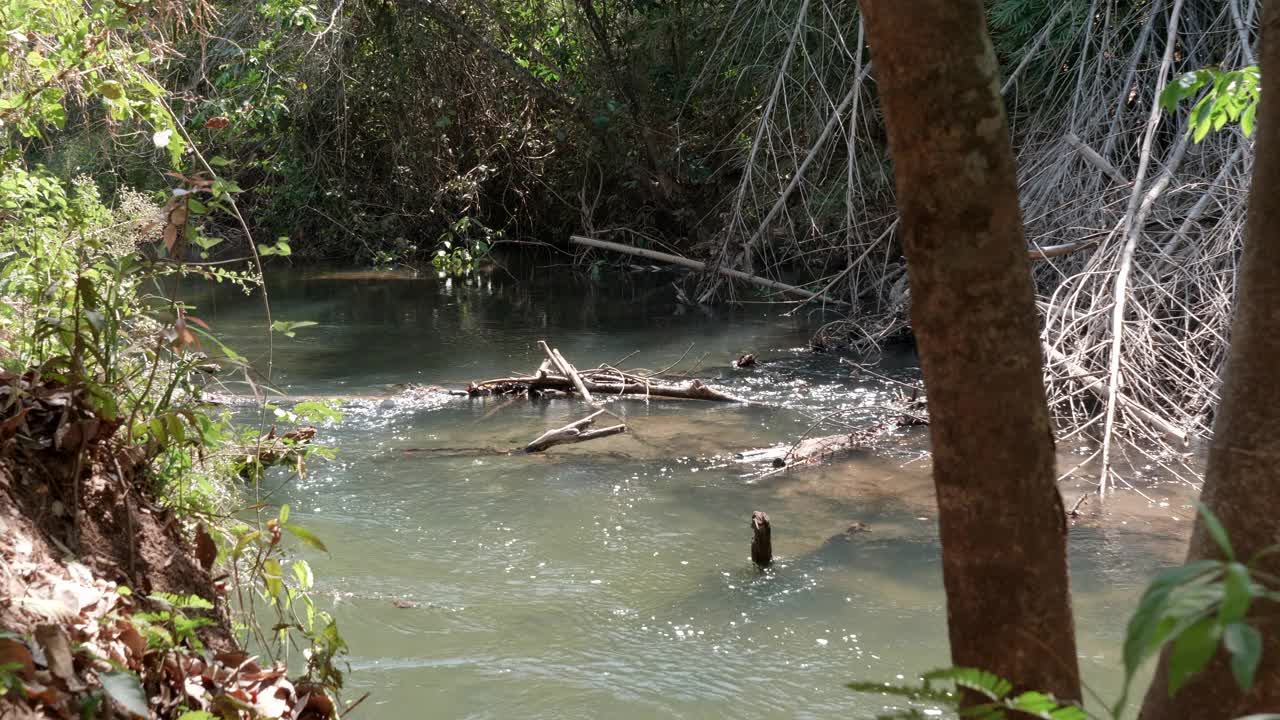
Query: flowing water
[[611, 579]]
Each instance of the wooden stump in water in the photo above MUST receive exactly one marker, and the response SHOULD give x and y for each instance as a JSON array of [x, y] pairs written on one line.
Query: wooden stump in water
[[761, 540]]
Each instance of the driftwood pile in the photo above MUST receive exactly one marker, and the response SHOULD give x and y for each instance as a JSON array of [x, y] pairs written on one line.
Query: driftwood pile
[[557, 377]]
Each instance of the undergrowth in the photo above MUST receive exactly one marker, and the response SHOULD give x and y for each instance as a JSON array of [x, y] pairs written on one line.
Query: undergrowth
[[94, 276]]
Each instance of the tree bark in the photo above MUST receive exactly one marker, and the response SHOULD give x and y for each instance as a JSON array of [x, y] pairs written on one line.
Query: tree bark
[[1240, 484], [1002, 522]]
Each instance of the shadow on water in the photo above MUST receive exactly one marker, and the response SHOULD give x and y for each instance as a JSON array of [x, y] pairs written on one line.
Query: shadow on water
[[611, 579]]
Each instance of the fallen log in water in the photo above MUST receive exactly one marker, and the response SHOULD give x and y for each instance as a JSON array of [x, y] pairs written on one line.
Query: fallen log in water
[[574, 432], [809, 451], [702, 267], [629, 386]]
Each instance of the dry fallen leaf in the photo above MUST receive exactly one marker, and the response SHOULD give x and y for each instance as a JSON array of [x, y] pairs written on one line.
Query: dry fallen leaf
[[10, 426], [16, 653], [133, 640], [75, 596], [275, 701], [206, 551], [194, 687], [314, 701], [57, 652]]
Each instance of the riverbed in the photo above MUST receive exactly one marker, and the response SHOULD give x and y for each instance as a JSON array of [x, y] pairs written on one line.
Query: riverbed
[[611, 579]]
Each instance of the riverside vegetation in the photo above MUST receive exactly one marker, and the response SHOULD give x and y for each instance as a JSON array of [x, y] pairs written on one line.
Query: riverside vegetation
[[142, 146]]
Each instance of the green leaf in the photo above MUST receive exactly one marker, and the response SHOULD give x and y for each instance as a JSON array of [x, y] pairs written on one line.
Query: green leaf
[[306, 536], [126, 690], [1182, 87], [1246, 123], [111, 89], [1202, 128], [1244, 642], [1143, 630], [196, 715], [244, 541], [273, 577], [302, 571], [287, 327], [1045, 706], [284, 513], [1192, 650], [1237, 594], [1215, 529]]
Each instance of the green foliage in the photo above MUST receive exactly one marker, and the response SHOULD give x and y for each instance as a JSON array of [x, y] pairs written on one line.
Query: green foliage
[[1225, 96], [1001, 702], [290, 328], [258, 565], [170, 627], [1198, 607], [1016, 26], [59, 52], [91, 291], [11, 679]]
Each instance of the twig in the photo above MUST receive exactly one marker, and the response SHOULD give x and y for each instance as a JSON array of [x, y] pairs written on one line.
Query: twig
[[1133, 231]]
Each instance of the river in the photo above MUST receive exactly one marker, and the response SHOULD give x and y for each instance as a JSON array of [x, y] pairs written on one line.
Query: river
[[611, 579]]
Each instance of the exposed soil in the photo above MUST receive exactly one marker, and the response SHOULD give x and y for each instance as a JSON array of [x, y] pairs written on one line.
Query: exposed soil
[[79, 525], [107, 521]]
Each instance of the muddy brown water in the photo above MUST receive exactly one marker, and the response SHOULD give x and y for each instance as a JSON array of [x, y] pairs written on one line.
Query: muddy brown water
[[611, 579]]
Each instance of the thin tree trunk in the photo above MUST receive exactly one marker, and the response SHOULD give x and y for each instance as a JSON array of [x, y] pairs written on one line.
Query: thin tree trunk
[[1002, 520], [1241, 478]]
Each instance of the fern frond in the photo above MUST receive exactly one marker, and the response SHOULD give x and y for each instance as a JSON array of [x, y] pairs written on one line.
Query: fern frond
[[980, 681], [924, 692], [181, 602]]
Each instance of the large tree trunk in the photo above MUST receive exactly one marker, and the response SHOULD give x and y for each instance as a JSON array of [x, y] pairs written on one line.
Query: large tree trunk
[[1241, 481], [1002, 521]]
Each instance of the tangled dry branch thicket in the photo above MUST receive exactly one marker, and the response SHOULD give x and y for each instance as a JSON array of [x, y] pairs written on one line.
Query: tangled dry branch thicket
[[1136, 320]]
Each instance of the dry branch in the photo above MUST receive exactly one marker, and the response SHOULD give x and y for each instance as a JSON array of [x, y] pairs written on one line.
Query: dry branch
[[1103, 392], [567, 370], [1093, 158], [1053, 251], [701, 266], [574, 432], [1080, 138]]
